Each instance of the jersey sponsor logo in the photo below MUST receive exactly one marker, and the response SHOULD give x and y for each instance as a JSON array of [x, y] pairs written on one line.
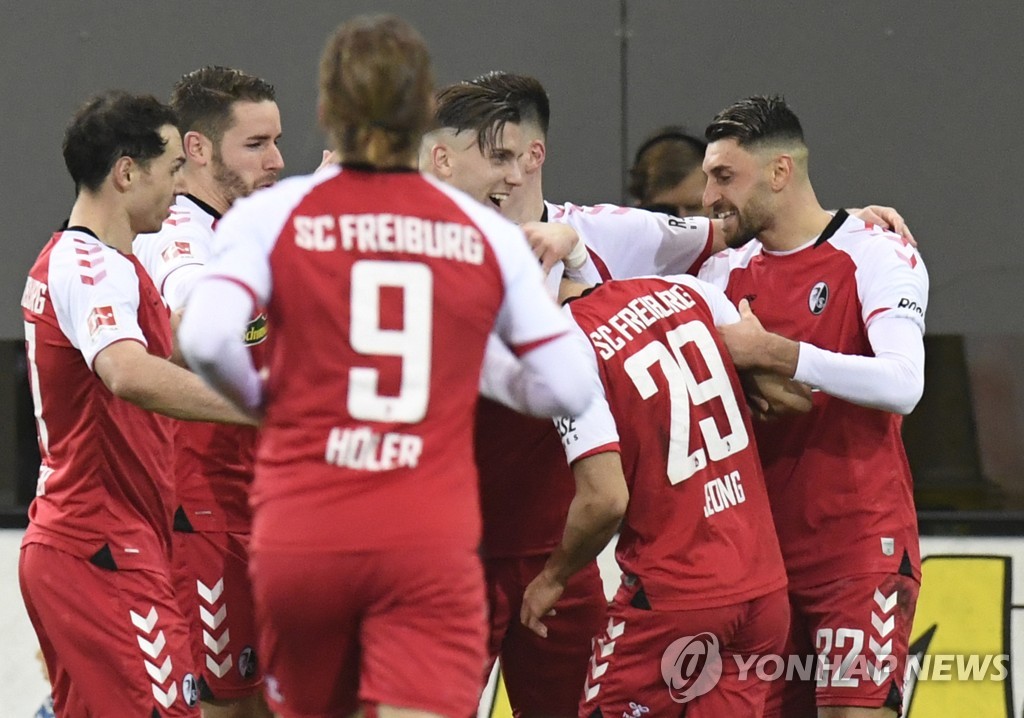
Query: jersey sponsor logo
[[818, 298], [101, 318], [177, 250], [256, 331], [691, 666], [566, 426], [911, 305], [190, 690], [34, 297], [682, 223]]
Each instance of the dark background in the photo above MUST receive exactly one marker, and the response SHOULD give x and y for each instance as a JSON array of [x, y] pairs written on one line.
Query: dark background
[[917, 105]]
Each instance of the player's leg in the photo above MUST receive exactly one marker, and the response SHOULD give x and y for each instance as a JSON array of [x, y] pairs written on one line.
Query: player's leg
[[115, 641], [626, 675], [861, 630], [793, 697], [544, 677], [307, 610], [748, 633], [424, 634], [501, 583], [214, 589]]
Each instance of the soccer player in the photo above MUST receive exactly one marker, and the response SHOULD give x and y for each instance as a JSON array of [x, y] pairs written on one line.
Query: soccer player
[[489, 142], [95, 562], [231, 126], [526, 485], [381, 286], [850, 300], [697, 546]]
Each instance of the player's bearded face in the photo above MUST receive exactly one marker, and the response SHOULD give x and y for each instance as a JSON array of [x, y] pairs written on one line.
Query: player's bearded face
[[247, 157], [737, 191], [232, 183], [745, 221]]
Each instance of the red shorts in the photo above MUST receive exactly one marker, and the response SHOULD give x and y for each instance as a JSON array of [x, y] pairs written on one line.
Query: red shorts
[[662, 663], [211, 580], [543, 675], [402, 628], [859, 627], [114, 641]]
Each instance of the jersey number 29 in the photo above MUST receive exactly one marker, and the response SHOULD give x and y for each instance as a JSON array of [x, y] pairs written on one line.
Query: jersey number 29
[[686, 391]]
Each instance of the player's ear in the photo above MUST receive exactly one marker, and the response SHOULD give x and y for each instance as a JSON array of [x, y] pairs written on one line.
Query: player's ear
[[121, 173], [781, 172], [536, 153], [197, 146], [441, 161]]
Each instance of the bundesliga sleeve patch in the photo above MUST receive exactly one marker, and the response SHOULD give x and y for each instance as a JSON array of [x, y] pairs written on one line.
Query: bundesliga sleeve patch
[[178, 250], [101, 318]]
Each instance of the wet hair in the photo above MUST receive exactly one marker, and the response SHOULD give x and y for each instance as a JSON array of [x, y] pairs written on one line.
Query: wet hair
[[110, 126], [757, 120], [204, 98], [468, 107], [664, 160], [376, 88], [525, 93]]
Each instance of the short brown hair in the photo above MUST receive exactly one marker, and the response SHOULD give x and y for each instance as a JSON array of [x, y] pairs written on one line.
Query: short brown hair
[[376, 89], [203, 99]]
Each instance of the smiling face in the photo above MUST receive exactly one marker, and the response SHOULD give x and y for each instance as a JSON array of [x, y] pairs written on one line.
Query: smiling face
[[738, 190], [247, 158], [487, 175]]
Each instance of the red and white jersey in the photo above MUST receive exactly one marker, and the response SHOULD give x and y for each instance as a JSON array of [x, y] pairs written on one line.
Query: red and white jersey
[[838, 477], [525, 485], [182, 246], [626, 242], [698, 530], [213, 463], [381, 288], [105, 476]]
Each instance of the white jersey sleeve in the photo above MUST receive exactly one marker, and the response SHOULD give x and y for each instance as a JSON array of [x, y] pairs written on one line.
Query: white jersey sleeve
[[891, 277], [174, 256], [95, 294], [629, 242], [594, 430]]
